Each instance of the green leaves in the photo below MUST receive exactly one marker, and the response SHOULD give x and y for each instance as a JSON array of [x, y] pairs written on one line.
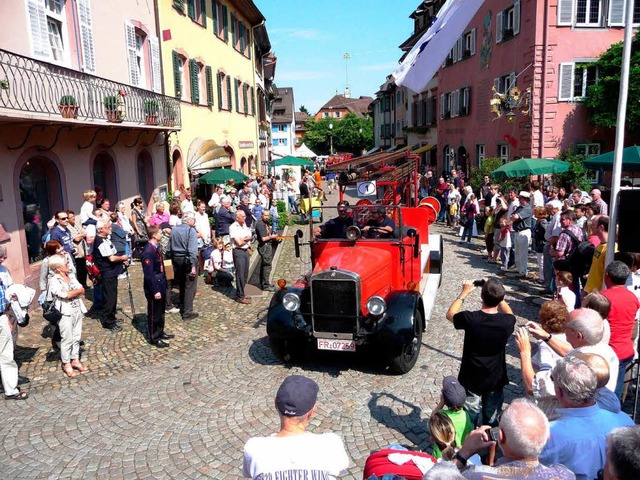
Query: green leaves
[[350, 134]]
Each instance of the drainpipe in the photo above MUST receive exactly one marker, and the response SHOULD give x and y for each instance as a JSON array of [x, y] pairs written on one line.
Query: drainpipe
[[543, 93], [167, 147], [255, 100]]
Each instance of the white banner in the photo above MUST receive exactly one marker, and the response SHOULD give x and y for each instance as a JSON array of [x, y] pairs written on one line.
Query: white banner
[[426, 57]]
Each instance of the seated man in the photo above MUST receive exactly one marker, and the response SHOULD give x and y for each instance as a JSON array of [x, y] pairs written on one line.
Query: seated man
[[380, 226], [336, 227]]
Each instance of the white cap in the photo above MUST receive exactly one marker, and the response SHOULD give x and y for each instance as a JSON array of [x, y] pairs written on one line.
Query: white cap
[[524, 194]]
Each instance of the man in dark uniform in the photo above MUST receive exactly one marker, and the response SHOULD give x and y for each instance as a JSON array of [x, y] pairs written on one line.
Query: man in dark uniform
[[266, 240], [155, 288], [380, 226], [337, 227], [183, 250], [110, 265], [224, 218]]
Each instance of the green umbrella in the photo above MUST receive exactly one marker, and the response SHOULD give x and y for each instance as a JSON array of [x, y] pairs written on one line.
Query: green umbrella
[[292, 162], [630, 160], [222, 175], [525, 167]]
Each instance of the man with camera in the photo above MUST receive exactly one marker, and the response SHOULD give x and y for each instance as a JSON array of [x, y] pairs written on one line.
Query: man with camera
[[522, 435], [483, 370], [183, 251]]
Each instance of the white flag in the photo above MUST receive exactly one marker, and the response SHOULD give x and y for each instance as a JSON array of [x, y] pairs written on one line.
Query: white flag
[[425, 58]]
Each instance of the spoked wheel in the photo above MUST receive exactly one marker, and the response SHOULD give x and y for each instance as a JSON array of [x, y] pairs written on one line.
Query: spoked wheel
[[408, 356]]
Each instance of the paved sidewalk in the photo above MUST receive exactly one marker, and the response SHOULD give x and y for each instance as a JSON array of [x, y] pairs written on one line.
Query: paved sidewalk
[[186, 411]]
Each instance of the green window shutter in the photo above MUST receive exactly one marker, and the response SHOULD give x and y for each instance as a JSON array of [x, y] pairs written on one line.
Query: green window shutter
[[237, 91], [191, 9], [176, 74], [229, 98], [214, 15], [245, 98], [179, 4], [225, 22], [219, 90], [249, 42], [241, 34], [234, 32], [203, 9], [193, 76], [253, 101], [209, 79]]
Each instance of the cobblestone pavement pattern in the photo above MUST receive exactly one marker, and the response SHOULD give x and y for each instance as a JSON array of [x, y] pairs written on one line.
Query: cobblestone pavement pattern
[[186, 411]]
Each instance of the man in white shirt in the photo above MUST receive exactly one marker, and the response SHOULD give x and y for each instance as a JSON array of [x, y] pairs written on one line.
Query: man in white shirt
[[552, 232], [187, 204], [216, 197], [293, 452], [240, 235], [537, 199], [203, 227]]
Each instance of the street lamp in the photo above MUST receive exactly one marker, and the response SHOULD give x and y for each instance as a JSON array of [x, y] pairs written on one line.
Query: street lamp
[[331, 138]]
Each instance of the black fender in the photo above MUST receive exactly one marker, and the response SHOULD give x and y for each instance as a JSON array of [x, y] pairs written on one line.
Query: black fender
[[396, 328], [283, 324]]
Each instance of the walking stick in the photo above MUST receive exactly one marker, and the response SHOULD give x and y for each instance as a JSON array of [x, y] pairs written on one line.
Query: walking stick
[[133, 308]]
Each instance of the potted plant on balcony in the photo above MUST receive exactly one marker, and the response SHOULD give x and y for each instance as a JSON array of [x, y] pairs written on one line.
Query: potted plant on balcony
[[151, 111], [68, 107], [111, 109], [169, 115], [263, 125]]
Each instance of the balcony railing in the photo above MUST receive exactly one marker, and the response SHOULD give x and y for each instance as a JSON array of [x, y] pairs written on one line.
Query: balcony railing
[[32, 86]]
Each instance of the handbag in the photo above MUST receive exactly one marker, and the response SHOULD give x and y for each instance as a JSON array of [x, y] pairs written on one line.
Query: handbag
[[463, 220], [50, 311]]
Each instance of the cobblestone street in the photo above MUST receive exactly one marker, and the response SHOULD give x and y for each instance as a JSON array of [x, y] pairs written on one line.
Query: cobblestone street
[[186, 411]]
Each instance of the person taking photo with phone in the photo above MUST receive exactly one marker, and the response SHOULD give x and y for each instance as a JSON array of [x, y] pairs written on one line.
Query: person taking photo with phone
[[483, 370]]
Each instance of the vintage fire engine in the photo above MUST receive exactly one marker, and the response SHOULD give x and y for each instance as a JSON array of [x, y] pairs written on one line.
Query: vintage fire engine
[[368, 285]]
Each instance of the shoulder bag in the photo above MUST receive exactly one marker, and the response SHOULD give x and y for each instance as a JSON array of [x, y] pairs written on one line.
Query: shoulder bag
[[49, 310]]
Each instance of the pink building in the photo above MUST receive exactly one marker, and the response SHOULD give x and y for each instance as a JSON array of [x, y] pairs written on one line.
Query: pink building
[[81, 107], [529, 44]]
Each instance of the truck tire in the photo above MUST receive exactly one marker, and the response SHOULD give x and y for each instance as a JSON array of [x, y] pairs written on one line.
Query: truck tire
[[285, 351], [404, 360]]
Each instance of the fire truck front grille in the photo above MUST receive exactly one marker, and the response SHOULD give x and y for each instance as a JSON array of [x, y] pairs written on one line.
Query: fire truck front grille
[[335, 305]]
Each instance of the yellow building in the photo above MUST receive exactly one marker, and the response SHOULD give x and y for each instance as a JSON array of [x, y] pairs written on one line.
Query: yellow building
[[208, 61]]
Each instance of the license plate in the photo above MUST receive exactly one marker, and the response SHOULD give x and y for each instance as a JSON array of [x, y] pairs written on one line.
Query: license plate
[[338, 345]]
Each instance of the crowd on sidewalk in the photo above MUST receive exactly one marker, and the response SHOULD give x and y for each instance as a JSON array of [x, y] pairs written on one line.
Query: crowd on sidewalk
[[183, 239]]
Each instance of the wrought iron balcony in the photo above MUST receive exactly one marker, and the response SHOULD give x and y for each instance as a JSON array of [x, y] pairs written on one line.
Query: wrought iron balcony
[[34, 87]]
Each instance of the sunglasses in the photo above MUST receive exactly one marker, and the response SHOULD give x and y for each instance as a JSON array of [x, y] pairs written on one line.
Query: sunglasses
[[63, 218]]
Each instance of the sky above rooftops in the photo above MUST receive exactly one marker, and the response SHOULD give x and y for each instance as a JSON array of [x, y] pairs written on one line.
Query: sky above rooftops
[[310, 39]]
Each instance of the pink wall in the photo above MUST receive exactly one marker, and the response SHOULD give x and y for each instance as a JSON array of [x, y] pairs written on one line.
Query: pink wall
[[108, 19], [551, 126]]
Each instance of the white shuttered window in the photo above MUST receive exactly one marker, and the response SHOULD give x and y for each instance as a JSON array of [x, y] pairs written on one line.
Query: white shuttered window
[[86, 35], [155, 64]]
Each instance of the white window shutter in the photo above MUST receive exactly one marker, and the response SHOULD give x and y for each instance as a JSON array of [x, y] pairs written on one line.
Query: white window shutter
[[512, 80], [516, 17], [442, 106], [616, 13], [86, 36], [460, 48], [498, 27], [39, 29], [565, 87], [496, 84], [473, 41], [132, 54], [155, 64], [565, 11]]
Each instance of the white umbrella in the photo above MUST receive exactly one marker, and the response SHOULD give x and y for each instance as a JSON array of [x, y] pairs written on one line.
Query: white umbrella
[[305, 152]]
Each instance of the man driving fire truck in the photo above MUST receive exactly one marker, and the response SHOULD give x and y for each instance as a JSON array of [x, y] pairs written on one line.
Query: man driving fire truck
[[380, 226]]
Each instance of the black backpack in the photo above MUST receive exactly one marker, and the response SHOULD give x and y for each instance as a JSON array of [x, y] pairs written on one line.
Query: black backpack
[[580, 256]]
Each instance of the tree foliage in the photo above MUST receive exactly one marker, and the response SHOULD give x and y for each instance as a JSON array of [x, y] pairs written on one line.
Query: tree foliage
[[346, 133], [577, 173], [477, 173], [303, 109], [602, 97]]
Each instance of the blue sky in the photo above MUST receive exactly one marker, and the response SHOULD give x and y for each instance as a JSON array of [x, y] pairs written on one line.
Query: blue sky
[[310, 38]]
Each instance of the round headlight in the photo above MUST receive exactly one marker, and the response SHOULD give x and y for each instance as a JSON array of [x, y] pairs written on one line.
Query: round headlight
[[376, 305], [291, 301]]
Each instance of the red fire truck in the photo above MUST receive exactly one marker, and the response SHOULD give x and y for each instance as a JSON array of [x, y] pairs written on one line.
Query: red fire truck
[[376, 269]]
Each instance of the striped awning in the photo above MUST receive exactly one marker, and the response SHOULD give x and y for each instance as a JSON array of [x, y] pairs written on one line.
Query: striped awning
[[426, 148]]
